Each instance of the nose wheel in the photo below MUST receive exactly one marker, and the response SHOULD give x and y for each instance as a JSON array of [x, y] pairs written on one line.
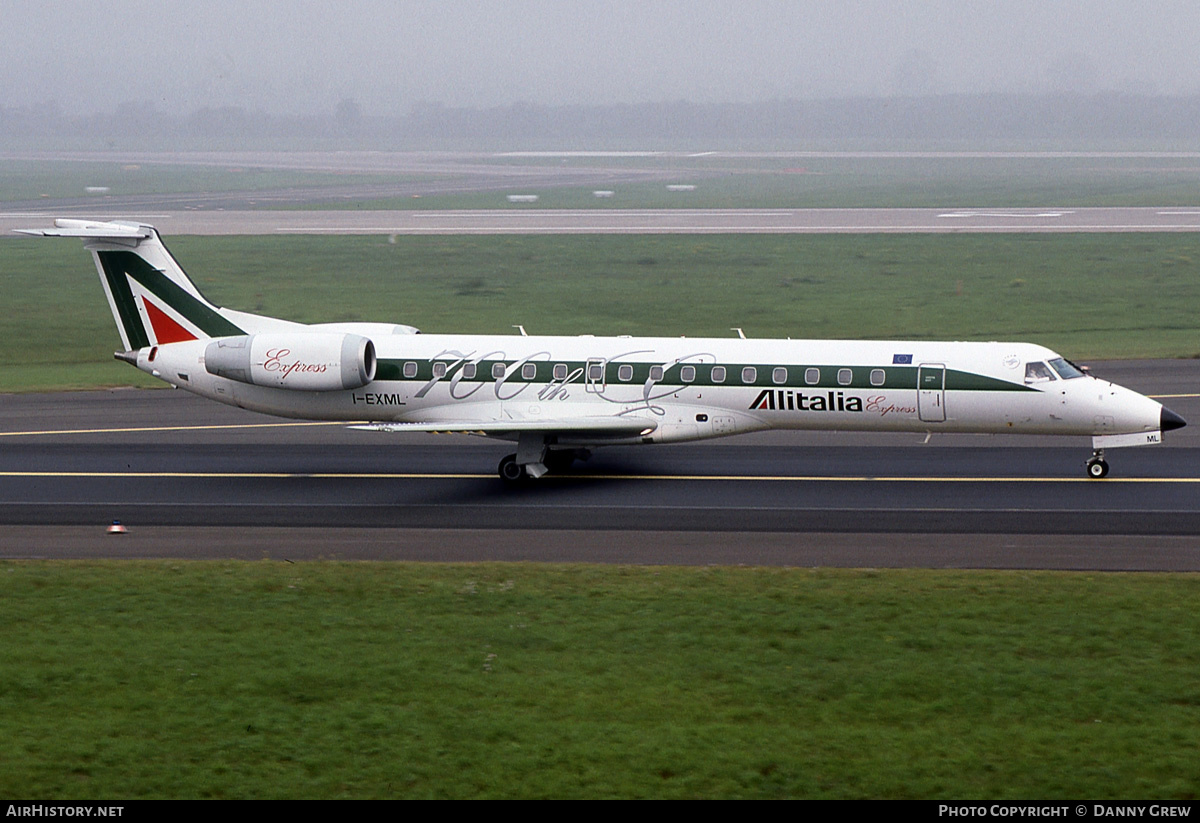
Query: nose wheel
[[1097, 466]]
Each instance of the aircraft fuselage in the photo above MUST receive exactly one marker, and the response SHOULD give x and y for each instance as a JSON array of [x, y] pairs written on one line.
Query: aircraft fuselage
[[696, 388]]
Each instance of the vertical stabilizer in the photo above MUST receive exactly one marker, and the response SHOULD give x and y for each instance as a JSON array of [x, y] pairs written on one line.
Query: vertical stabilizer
[[153, 302]]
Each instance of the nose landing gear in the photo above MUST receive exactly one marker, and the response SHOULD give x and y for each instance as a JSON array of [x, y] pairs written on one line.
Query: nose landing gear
[[1097, 466]]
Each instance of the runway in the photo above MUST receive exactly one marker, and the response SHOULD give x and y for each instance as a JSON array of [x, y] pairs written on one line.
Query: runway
[[520, 219], [175, 468]]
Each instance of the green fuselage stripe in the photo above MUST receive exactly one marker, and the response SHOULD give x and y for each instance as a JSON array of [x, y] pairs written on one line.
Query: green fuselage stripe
[[894, 377]]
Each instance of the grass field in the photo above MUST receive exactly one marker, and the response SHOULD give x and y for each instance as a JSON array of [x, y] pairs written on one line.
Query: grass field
[[325, 680], [1085, 295]]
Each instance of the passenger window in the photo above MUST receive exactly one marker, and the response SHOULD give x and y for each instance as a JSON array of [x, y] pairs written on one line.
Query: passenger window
[[595, 372], [1037, 372], [749, 374], [439, 370], [779, 375], [718, 374], [468, 371], [625, 373], [845, 377], [529, 371], [812, 376], [497, 370], [560, 371], [410, 370], [656, 373], [877, 377], [687, 374]]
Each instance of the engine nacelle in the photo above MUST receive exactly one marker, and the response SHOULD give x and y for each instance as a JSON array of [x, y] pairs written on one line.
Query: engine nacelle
[[301, 362]]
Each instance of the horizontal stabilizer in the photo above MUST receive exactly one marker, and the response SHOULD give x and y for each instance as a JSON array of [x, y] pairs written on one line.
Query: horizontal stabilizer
[[93, 229]]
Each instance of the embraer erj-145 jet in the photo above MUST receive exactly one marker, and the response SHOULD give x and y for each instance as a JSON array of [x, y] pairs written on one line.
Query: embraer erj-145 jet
[[558, 397]]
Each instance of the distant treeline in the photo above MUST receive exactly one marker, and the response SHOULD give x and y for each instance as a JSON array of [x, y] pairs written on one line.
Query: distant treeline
[[971, 118]]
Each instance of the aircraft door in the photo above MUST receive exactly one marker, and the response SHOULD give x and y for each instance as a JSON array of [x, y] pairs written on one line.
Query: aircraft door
[[594, 375], [931, 393]]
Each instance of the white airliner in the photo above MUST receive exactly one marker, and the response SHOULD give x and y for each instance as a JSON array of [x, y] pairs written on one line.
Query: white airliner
[[558, 397]]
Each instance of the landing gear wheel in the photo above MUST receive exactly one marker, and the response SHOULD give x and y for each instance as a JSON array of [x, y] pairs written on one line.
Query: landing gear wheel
[[510, 471], [1097, 468]]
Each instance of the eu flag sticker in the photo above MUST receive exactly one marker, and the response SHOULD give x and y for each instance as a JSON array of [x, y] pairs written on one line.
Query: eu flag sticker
[[901, 359]]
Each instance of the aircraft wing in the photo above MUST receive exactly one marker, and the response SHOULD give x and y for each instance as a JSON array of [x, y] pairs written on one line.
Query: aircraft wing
[[612, 426]]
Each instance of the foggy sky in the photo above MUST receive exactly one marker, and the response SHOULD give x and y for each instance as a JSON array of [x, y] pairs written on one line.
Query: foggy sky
[[305, 57]]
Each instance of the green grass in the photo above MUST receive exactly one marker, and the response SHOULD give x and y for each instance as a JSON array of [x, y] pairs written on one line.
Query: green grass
[[1085, 295], [323, 680]]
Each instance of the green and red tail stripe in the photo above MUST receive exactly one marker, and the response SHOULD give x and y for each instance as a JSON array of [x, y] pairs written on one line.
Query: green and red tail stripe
[[176, 313]]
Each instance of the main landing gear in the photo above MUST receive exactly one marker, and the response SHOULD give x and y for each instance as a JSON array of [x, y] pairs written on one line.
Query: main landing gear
[[513, 470], [1097, 466], [510, 471]]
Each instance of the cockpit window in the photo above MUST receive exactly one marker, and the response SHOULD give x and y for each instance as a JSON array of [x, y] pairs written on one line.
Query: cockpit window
[[1066, 369], [1038, 372]]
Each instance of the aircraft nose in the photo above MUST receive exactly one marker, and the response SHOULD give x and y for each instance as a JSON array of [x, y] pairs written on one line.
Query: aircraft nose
[[1170, 420]]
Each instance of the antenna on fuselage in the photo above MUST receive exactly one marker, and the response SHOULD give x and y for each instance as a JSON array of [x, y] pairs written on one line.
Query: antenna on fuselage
[[741, 333], [521, 329]]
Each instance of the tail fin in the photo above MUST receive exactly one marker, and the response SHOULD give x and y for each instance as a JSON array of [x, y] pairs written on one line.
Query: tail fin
[[152, 300]]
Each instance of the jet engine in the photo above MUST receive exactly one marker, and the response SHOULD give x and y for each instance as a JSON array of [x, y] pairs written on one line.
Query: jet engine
[[301, 362]]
